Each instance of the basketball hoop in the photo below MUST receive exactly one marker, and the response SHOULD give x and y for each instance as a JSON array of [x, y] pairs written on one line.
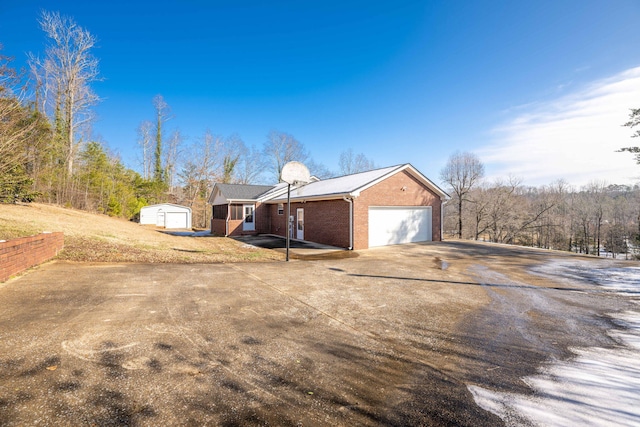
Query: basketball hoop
[[296, 174]]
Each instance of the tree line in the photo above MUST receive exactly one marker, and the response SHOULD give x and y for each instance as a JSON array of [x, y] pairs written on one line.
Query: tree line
[[597, 219], [48, 152]]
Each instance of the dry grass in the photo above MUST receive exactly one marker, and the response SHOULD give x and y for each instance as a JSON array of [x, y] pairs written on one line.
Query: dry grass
[[94, 237]]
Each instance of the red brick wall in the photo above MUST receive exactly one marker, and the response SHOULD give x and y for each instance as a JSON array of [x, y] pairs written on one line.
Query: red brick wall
[[325, 221], [389, 193], [278, 223], [218, 227], [17, 255], [262, 215]]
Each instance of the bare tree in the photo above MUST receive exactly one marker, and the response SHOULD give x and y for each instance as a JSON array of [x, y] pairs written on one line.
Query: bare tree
[[634, 120], [250, 165], [12, 114], [233, 149], [596, 197], [350, 163], [162, 116], [204, 167], [550, 202], [318, 169], [281, 148], [145, 140], [171, 157], [479, 210], [64, 76], [22, 135], [462, 173]]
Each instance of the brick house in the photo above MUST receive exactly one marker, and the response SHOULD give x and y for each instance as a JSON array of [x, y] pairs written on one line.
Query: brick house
[[391, 205]]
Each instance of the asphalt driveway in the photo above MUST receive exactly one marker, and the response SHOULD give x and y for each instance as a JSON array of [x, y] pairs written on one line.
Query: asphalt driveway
[[391, 337]]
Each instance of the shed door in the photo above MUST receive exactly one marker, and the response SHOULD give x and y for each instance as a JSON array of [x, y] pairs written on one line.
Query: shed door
[[391, 225], [176, 220], [160, 218]]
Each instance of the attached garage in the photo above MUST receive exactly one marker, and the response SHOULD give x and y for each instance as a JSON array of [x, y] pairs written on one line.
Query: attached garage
[[391, 225], [166, 215], [385, 206]]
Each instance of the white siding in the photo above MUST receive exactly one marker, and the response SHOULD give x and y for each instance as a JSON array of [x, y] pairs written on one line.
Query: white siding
[[166, 215]]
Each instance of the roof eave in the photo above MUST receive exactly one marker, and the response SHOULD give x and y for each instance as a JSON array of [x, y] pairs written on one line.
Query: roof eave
[[272, 196], [334, 196]]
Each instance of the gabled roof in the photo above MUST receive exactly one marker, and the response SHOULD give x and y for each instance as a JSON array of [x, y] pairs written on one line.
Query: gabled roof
[[238, 192], [353, 185], [332, 188], [166, 204], [275, 191]]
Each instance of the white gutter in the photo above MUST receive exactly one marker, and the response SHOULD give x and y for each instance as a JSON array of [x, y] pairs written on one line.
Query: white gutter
[[441, 220], [350, 201], [303, 199], [226, 222]]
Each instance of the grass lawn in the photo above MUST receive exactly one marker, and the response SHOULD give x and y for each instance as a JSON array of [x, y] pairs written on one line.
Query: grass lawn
[[92, 237]]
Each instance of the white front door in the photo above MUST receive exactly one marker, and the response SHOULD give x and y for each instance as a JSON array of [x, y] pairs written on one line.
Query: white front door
[[300, 224], [249, 223]]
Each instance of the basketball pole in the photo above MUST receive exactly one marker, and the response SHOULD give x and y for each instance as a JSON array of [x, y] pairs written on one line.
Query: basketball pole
[[288, 217]]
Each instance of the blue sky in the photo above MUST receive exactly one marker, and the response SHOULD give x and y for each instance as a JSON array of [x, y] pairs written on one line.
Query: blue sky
[[537, 89]]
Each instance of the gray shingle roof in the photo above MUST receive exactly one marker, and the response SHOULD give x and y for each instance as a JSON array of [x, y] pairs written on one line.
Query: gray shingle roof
[[242, 191]]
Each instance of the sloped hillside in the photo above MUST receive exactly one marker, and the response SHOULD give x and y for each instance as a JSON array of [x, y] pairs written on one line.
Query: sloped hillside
[[94, 237]]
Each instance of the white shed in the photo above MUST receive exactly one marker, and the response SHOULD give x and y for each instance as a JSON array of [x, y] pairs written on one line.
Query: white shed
[[166, 215]]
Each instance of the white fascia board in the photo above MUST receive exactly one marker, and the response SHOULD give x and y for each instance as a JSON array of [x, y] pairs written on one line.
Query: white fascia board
[[243, 201], [336, 196], [273, 195]]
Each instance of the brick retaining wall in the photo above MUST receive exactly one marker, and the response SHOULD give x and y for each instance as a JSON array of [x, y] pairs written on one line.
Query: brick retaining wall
[[17, 255]]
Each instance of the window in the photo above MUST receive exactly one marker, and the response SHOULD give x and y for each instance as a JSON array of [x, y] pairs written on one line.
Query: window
[[236, 212], [220, 212], [248, 213], [280, 209]]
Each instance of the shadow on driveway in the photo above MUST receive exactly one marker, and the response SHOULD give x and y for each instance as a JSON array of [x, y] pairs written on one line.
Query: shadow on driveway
[[298, 249]]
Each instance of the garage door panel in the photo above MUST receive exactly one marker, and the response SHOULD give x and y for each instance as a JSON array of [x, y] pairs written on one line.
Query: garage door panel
[[395, 225], [176, 220]]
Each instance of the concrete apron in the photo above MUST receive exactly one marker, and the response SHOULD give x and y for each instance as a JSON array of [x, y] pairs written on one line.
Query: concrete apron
[[298, 249]]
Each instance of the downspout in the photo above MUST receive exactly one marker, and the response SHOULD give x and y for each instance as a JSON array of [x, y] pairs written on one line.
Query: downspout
[[441, 220], [350, 201], [226, 222]]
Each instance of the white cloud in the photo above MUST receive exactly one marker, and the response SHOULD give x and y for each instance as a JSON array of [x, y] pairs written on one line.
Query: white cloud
[[574, 138]]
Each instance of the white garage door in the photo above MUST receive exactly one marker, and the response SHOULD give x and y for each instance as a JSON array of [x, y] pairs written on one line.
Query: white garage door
[[176, 220], [390, 225]]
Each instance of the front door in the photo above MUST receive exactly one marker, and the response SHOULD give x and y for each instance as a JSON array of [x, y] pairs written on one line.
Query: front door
[[249, 223], [300, 224]]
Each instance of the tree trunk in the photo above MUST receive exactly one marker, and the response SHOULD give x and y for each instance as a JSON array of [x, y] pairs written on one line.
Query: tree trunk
[[460, 218]]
